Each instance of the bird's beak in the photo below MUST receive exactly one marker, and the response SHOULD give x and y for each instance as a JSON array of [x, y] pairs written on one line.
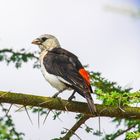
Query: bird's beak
[[36, 41]]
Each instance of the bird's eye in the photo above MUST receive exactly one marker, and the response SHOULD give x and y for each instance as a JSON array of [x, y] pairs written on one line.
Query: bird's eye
[[44, 39]]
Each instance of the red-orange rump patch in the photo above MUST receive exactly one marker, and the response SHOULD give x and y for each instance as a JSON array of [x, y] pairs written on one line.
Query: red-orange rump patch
[[85, 75]]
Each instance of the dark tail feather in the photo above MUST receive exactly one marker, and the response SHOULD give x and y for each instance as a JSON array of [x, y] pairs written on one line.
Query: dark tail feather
[[91, 104]]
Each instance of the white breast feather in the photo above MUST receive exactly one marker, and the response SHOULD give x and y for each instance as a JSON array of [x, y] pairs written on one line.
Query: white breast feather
[[56, 81]]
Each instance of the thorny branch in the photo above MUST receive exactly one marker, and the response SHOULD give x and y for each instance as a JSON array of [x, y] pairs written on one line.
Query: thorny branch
[[72, 106], [75, 127]]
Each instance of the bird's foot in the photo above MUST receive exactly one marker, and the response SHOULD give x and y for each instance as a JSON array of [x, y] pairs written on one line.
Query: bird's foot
[[57, 93], [71, 98]]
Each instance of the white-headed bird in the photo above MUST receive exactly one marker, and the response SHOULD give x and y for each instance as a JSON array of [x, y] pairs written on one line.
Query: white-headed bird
[[63, 70]]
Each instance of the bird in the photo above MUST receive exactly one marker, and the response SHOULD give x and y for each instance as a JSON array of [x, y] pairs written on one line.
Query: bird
[[63, 70]]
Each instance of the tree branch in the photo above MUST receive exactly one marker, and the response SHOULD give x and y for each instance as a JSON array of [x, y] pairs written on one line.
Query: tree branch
[[64, 105], [75, 127], [123, 131]]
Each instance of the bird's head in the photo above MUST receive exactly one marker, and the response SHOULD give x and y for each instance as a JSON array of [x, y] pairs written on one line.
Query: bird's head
[[46, 42]]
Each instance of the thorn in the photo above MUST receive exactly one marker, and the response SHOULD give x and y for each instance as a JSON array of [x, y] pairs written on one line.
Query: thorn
[[119, 105], [26, 112], [28, 115], [54, 96], [47, 114], [121, 109], [59, 99], [19, 108], [99, 120], [38, 117], [9, 109], [44, 102], [66, 108]]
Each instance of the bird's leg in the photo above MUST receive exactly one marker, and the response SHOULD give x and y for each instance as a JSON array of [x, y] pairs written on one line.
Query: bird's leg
[[57, 93], [70, 99], [72, 96]]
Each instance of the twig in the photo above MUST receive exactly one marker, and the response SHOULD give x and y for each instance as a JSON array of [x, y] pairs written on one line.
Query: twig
[[47, 113], [123, 131], [75, 127], [74, 134]]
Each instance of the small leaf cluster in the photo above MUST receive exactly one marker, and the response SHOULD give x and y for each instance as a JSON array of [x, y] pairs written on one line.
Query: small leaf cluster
[[116, 99], [105, 85], [18, 57], [113, 95], [132, 135]]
